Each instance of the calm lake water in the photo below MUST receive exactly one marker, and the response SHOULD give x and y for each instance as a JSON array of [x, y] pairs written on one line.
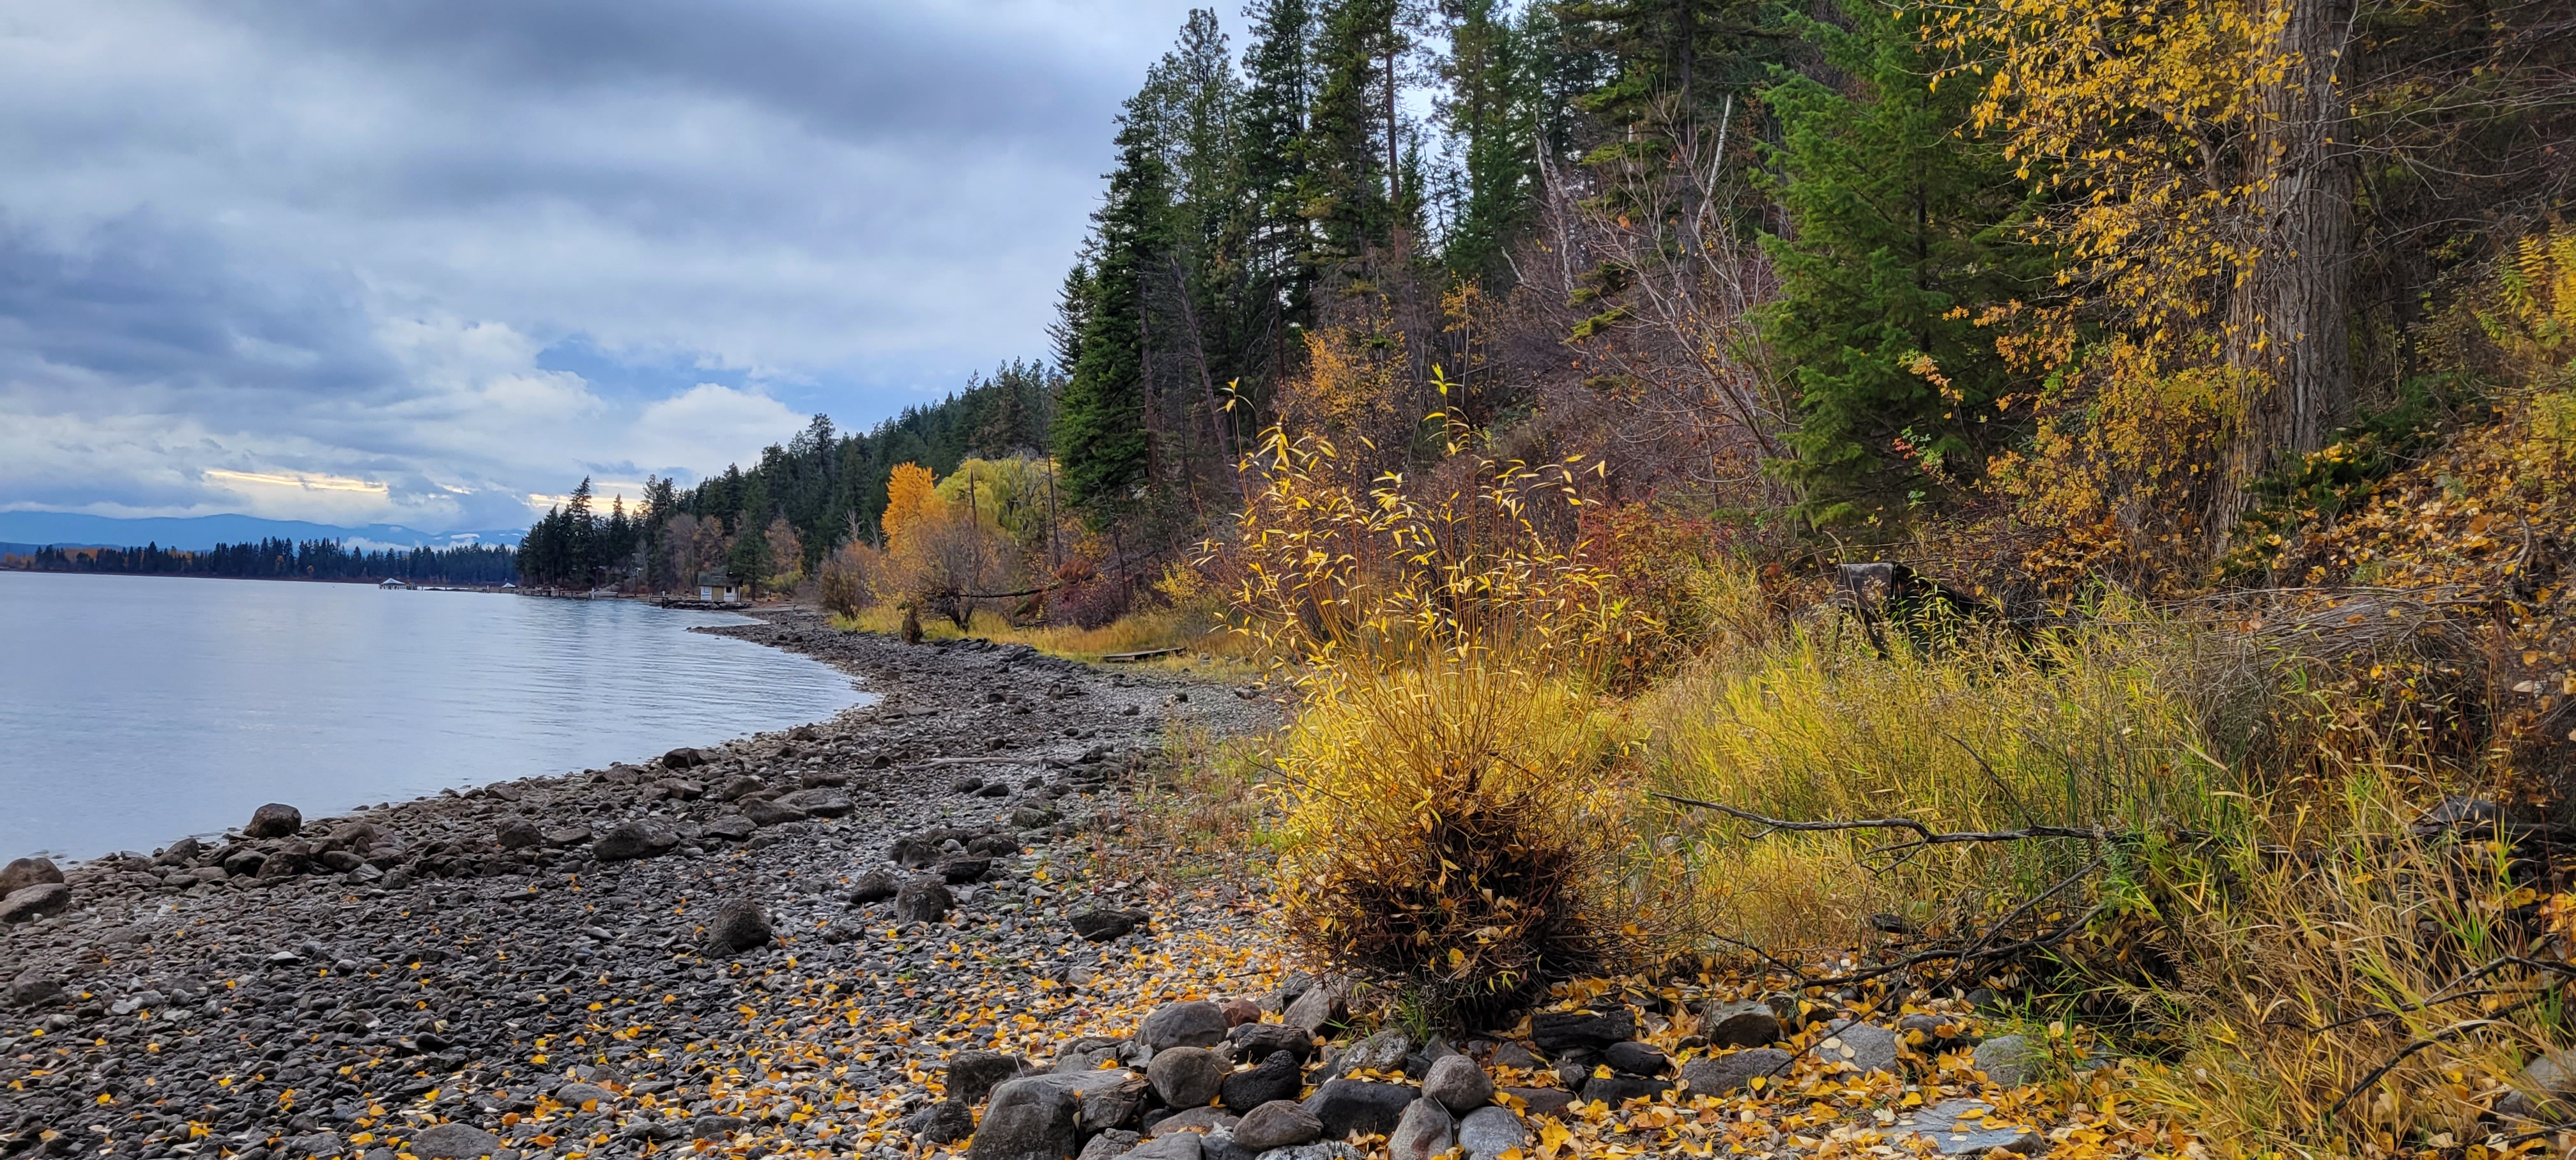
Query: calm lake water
[[134, 710]]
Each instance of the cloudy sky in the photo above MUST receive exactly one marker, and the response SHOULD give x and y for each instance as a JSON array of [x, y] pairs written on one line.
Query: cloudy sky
[[414, 261]]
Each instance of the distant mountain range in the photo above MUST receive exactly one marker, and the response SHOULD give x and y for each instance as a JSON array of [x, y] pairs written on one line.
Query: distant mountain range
[[21, 531]]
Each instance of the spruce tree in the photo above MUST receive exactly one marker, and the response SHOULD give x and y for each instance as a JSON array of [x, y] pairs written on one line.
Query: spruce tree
[[1279, 88], [1350, 151], [1900, 221]]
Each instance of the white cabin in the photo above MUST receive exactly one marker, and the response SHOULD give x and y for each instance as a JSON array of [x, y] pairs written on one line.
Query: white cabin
[[391, 582]]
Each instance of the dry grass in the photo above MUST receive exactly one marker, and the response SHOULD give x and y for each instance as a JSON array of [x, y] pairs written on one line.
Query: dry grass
[[1209, 649]]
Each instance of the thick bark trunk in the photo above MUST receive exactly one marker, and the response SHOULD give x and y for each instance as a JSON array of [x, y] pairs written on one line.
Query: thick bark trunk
[[2288, 337]]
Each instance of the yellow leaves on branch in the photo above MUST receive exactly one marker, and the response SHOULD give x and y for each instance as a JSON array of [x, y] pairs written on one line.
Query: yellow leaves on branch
[[911, 498]]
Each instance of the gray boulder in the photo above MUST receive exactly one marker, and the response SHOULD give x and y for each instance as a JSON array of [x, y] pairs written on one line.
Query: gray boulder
[[972, 1075], [1425, 1131], [22, 873], [1102, 926], [923, 900], [1619, 1089], [1327, 1003], [1558, 1032], [739, 926], [945, 1122], [34, 902], [1186, 1077], [875, 886], [1258, 1040], [1750, 1023], [820, 803], [769, 812], [2006, 1060], [1635, 1058], [730, 827], [1457, 1084], [1177, 1146], [453, 1142], [1345, 1106], [1940, 1125], [1109, 1145], [1864, 1047], [1718, 1075], [1278, 1124], [1488, 1132], [518, 834], [1197, 1023], [274, 820], [1384, 1051], [1032, 1120], [1276, 1077], [635, 838], [2547, 1090]]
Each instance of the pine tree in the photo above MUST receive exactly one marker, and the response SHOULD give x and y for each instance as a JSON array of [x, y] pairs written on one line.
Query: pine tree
[[1491, 113], [1900, 219], [1279, 88], [1353, 141], [1101, 435]]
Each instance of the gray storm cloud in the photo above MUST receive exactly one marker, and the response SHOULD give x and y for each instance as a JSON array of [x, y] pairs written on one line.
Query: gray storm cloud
[[308, 259]]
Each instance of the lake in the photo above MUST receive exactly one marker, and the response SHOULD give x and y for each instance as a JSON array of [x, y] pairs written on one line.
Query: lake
[[134, 710]]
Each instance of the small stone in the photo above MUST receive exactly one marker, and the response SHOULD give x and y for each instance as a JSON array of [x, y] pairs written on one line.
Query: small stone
[[1425, 1131], [1109, 1145], [1176, 1146], [1239, 1011], [1458, 1084], [1197, 1023], [1259, 1040], [1488, 1132], [34, 992], [180, 853], [1325, 1004], [274, 820], [1186, 1077], [1278, 1124], [1542, 1101], [716, 1127], [1719, 1075], [768, 812], [819, 803], [2005, 1059], [518, 834], [574, 1095], [923, 900], [453, 1142], [1750, 1023], [1102, 926], [739, 926], [1515, 1055], [730, 827], [957, 871]]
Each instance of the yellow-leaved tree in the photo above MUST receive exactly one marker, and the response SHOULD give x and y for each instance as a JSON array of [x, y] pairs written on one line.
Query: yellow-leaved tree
[[911, 497], [2201, 156]]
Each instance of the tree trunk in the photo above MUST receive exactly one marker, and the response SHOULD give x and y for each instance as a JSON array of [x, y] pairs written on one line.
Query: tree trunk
[[2288, 337]]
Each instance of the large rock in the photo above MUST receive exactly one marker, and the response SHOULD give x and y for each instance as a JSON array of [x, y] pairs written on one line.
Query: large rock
[[180, 853], [1102, 926], [518, 834], [635, 838], [1557, 1032], [820, 803], [1750, 1023], [683, 758], [274, 820], [739, 926], [1349, 1105], [22, 873], [1458, 1084], [770, 812], [1197, 1023], [1614, 1090], [1635, 1058], [453, 1142], [1278, 1124], [1258, 1040], [1546, 1101], [1384, 1051], [959, 871], [1327, 1003], [36, 992], [1487, 1133], [1425, 1131], [1186, 1077], [1109, 1145], [875, 886], [1718, 1075], [1276, 1077], [34, 902], [923, 900], [945, 1122], [2006, 1060], [972, 1075], [1864, 1047], [1043, 1117], [1176, 1146]]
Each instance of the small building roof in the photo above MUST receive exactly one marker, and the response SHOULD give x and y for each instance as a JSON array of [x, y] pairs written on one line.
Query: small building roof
[[714, 580]]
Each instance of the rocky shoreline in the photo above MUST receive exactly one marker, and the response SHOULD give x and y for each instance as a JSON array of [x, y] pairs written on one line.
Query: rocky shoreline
[[477, 972]]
